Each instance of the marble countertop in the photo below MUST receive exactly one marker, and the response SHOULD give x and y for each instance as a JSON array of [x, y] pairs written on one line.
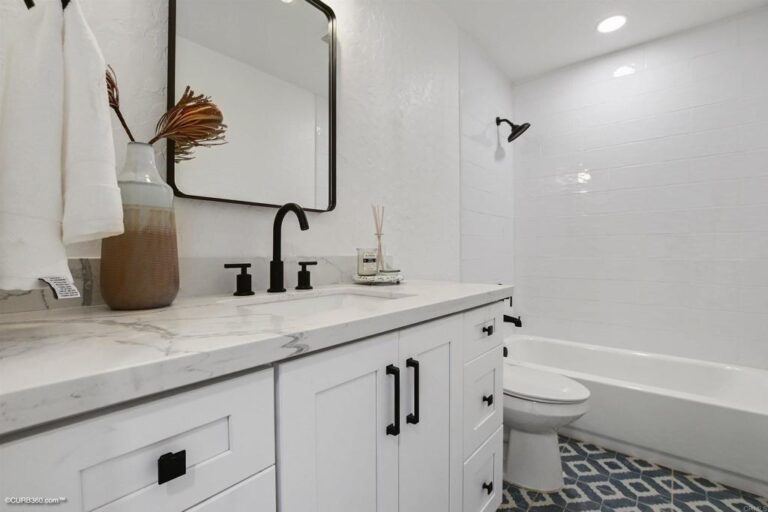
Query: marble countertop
[[55, 364]]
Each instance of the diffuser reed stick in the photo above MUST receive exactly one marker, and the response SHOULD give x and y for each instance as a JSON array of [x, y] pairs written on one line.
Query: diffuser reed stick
[[378, 220]]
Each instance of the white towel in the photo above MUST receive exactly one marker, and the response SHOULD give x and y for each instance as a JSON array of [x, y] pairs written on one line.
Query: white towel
[[57, 164]]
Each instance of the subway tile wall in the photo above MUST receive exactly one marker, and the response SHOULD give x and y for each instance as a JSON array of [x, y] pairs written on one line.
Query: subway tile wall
[[487, 173], [641, 197]]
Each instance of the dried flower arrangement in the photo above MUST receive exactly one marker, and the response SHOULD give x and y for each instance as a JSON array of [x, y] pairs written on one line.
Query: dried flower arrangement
[[195, 121]]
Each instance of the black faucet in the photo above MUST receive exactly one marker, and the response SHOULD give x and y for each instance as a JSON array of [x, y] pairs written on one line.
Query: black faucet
[[276, 265]]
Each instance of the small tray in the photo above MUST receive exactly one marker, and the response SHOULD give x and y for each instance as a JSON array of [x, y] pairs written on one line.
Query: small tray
[[388, 278]]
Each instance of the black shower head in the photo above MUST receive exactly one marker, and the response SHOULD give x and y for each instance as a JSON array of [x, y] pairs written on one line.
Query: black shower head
[[517, 129]]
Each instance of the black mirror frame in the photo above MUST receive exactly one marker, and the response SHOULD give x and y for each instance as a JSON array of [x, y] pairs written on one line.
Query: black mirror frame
[[171, 165]]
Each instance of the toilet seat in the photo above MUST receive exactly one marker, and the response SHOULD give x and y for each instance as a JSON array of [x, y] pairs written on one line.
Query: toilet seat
[[542, 386]]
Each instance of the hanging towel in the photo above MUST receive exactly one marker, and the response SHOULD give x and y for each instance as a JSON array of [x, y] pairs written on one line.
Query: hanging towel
[[57, 164]]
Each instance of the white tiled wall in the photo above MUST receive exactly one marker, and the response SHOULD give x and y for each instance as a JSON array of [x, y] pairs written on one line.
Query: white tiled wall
[[486, 169], [642, 200]]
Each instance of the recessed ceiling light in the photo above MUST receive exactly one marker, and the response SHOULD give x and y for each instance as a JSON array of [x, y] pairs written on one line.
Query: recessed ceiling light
[[624, 71], [611, 24], [286, 1]]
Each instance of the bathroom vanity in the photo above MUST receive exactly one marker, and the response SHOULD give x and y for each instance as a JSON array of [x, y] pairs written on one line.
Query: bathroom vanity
[[340, 398]]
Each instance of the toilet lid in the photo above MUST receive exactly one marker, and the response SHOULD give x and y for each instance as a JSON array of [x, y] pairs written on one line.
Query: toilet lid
[[542, 386]]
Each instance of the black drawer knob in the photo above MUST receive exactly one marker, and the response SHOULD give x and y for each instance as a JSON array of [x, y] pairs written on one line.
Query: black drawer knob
[[488, 399], [488, 329], [171, 466], [488, 487]]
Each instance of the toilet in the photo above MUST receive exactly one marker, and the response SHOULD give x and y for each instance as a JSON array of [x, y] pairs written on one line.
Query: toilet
[[536, 404]]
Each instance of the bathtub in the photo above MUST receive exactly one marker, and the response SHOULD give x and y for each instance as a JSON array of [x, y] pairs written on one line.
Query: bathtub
[[705, 418]]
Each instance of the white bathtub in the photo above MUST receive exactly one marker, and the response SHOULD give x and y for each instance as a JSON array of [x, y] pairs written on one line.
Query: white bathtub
[[705, 418]]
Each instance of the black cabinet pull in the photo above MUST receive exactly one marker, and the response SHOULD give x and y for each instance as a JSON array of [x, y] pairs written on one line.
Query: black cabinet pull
[[488, 399], [171, 465], [488, 329], [413, 418], [488, 487], [394, 428]]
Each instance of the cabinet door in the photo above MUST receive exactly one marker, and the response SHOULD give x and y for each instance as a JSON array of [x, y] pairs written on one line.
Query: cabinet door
[[430, 450], [483, 398], [333, 449]]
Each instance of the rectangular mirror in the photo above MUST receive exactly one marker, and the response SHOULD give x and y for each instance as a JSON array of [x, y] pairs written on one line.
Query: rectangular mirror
[[270, 67]]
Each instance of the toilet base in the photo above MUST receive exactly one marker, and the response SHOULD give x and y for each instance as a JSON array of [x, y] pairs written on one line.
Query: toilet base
[[533, 461]]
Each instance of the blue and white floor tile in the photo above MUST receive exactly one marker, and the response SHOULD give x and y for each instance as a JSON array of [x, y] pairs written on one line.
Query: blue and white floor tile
[[601, 480]]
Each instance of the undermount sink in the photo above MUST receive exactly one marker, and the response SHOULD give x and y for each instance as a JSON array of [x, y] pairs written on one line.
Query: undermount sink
[[315, 302]]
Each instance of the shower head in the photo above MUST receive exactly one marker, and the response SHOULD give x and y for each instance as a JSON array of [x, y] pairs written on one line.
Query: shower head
[[517, 129]]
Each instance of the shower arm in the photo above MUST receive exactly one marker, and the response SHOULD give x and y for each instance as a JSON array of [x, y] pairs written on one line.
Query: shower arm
[[500, 120]]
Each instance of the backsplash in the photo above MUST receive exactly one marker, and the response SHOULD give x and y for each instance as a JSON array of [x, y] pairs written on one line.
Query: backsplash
[[199, 276]]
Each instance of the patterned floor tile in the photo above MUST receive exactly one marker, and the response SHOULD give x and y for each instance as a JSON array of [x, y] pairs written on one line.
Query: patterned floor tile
[[609, 464], [600, 480], [659, 507], [545, 502], [745, 501], [643, 489], [584, 470], [514, 498], [699, 484], [643, 466], [737, 503], [572, 497]]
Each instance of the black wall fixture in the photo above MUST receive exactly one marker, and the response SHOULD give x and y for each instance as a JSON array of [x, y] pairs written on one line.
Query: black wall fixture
[[31, 3], [517, 129]]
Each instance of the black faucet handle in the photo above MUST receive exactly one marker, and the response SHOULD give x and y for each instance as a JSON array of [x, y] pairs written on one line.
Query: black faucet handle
[[241, 266], [244, 279], [305, 282]]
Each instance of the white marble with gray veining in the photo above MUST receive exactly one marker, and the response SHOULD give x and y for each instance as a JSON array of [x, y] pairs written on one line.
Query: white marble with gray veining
[[55, 364]]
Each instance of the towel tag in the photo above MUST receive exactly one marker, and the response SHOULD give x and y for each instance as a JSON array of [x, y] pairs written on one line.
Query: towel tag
[[61, 287]]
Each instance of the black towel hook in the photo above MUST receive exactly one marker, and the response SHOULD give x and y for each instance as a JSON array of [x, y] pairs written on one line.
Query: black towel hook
[[31, 3]]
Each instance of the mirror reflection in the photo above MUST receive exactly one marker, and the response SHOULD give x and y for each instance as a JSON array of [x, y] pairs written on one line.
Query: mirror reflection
[[267, 65]]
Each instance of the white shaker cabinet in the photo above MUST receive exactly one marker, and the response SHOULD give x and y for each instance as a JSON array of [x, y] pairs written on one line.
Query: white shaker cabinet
[[377, 425], [333, 415], [405, 421], [219, 435], [431, 354]]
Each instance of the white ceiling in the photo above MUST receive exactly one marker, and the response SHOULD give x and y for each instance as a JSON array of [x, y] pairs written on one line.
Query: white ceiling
[[529, 37]]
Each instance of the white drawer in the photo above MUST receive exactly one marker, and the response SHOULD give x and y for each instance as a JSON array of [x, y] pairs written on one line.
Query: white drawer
[[483, 398], [483, 476], [256, 494], [482, 330], [110, 463]]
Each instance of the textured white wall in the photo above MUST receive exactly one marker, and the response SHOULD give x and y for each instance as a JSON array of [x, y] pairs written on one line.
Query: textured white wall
[[642, 200], [398, 144], [486, 169]]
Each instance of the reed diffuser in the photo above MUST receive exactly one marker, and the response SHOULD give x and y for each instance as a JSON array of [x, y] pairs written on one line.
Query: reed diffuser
[[378, 221]]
